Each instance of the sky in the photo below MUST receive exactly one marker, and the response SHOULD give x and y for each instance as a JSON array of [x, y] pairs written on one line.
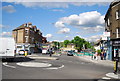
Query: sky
[[56, 20]]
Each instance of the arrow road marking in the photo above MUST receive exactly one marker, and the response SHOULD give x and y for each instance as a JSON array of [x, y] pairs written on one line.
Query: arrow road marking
[[6, 64]]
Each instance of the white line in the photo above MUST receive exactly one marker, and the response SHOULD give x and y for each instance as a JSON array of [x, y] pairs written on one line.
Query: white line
[[56, 67], [52, 68], [5, 64], [61, 66], [105, 78]]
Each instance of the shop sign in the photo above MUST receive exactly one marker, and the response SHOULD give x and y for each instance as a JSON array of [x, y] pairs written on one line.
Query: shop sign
[[107, 34], [116, 43]]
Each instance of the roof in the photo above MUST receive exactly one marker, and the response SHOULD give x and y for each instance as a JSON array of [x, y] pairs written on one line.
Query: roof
[[112, 4], [115, 1], [20, 27]]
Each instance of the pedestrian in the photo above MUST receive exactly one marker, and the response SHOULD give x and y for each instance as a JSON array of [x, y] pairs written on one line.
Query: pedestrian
[[104, 54], [92, 57], [50, 52], [96, 55], [101, 55]]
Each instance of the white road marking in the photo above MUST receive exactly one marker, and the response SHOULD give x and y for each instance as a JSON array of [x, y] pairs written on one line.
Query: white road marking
[[5, 64], [112, 75], [61, 66], [33, 64], [106, 78], [52, 68], [56, 67]]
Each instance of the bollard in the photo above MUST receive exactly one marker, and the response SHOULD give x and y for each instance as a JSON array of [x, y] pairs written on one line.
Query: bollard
[[116, 66], [26, 53]]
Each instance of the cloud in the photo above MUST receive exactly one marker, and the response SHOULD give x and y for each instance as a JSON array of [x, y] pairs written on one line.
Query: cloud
[[87, 22], [58, 3], [59, 24], [49, 35], [6, 34], [3, 26], [93, 29], [9, 9], [87, 19], [94, 38], [64, 30], [57, 0], [58, 10]]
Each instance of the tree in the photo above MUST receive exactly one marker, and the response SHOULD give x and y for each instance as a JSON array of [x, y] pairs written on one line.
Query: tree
[[78, 42], [66, 42], [87, 45]]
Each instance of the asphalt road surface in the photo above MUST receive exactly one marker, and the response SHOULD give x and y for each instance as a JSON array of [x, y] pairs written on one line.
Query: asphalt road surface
[[66, 67]]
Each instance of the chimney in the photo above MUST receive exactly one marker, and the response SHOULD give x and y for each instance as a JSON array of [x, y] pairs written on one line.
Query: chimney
[[35, 28], [25, 25], [30, 24]]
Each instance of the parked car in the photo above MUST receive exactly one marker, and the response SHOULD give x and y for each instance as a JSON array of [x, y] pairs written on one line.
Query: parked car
[[70, 53]]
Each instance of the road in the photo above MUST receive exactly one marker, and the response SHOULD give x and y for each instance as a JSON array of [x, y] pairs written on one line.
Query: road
[[66, 67]]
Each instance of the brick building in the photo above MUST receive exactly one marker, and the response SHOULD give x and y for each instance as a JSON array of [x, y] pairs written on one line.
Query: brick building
[[112, 21], [28, 37]]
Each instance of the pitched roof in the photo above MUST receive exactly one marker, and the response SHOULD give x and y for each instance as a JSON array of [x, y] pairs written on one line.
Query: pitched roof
[[20, 27]]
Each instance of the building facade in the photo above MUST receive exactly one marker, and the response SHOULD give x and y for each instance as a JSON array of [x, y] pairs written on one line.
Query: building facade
[[112, 22], [28, 37]]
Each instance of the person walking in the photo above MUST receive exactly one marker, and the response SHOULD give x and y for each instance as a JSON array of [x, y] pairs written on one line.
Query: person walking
[[96, 55], [50, 52], [101, 55], [104, 54]]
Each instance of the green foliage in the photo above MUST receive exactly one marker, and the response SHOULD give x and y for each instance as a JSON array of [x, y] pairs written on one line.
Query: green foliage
[[80, 43], [66, 42], [99, 51], [56, 44]]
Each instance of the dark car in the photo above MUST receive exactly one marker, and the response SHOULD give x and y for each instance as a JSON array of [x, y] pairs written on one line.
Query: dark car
[[70, 53]]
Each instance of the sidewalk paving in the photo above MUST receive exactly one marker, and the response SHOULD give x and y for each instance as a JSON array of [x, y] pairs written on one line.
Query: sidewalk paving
[[101, 62]]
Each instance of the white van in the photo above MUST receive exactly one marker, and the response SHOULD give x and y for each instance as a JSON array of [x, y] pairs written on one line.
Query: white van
[[7, 47]]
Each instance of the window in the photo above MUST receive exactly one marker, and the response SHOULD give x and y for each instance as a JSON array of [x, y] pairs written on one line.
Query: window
[[117, 14], [117, 32], [26, 31], [108, 22], [26, 39]]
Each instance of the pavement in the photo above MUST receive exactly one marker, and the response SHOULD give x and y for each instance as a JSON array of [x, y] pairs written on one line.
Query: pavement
[[102, 62]]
